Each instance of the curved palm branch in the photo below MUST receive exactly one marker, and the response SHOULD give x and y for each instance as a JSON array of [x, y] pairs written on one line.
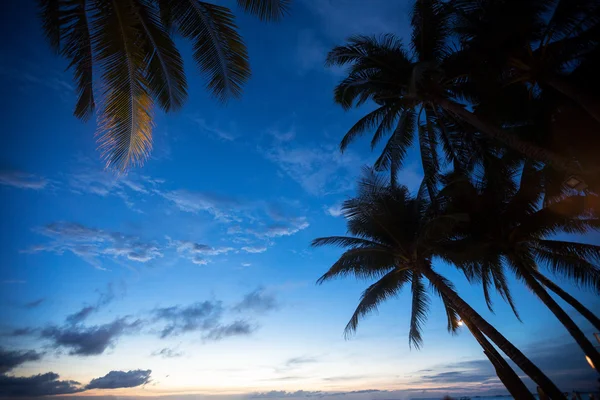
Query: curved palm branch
[[387, 286], [266, 10]]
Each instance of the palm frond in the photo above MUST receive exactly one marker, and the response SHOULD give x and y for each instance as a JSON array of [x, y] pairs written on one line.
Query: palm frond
[[388, 286], [50, 14], [398, 144], [451, 314], [125, 123], [429, 159], [345, 241], [77, 46], [165, 74], [218, 48], [576, 269], [419, 309], [430, 29], [266, 10], [570, 18], [369, 121], [363, 263]]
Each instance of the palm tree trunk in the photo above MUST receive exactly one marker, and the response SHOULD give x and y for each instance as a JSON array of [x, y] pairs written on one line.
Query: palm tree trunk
[[587, 346], [589, 104], [583, 310], [463, 309], [527, 149], [507, 375]]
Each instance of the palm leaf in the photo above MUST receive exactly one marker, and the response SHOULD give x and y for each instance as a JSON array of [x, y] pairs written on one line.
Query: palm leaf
[[367, 122], [387, 286], [576, 269], [266, 10], [77, 47], [363, 263], [50, 14], [218, 49], [419, 309], [451, 314], [165, 75], [345, 241], [125, 123], [398, 144], [430, 29]]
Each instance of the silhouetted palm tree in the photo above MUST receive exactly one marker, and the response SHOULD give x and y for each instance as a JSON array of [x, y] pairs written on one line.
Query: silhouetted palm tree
[[537, 43], [508, 228], [128, 45], [393, 238], [422, 89]]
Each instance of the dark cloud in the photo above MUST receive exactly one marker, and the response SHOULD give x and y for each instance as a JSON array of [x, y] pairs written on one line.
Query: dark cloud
[[562, 360], [35, 303], [257, 301], [236, 328], [87, 341], [121, 379], [22, 332], [458, 376], [304, 393], [37, 385], [10, 359], [81, 315], [166, 353], [203, 316]]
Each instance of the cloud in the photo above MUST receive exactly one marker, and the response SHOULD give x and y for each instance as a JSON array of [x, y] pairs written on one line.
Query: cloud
[[92, 244], [300, 360], [458, 377], [166, 353], [35, 303], [245, 264], [284, 228], [14, 282], [310, 52], [37, 385], [202, 316], [334, 210], [319, 169], [221, 207], [214, 130], [257, 301], [254, 249], [22, 180], [236, 328], [88, 341], [104, 298], [10, 359], [121, 379]]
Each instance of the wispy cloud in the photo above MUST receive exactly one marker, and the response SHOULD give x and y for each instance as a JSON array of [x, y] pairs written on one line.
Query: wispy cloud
[[167, 353], [259, 301], [92, 244], [254, 249], [214, 130], [23, 180], [35, 303], [104, 298], [319, 169]]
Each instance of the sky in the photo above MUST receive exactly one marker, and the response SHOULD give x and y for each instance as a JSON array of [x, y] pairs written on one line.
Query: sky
[[193, 276]]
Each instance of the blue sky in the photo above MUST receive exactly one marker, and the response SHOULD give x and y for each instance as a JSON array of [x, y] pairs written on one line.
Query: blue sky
[[193, 274]]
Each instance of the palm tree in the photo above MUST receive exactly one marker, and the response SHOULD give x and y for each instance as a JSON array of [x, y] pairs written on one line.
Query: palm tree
[[393, 238], [128, 44], [508, 228], [542, 44], [423, 88]]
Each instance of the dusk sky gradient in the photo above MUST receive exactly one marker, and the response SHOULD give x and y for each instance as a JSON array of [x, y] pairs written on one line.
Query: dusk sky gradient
[[194, 274]]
